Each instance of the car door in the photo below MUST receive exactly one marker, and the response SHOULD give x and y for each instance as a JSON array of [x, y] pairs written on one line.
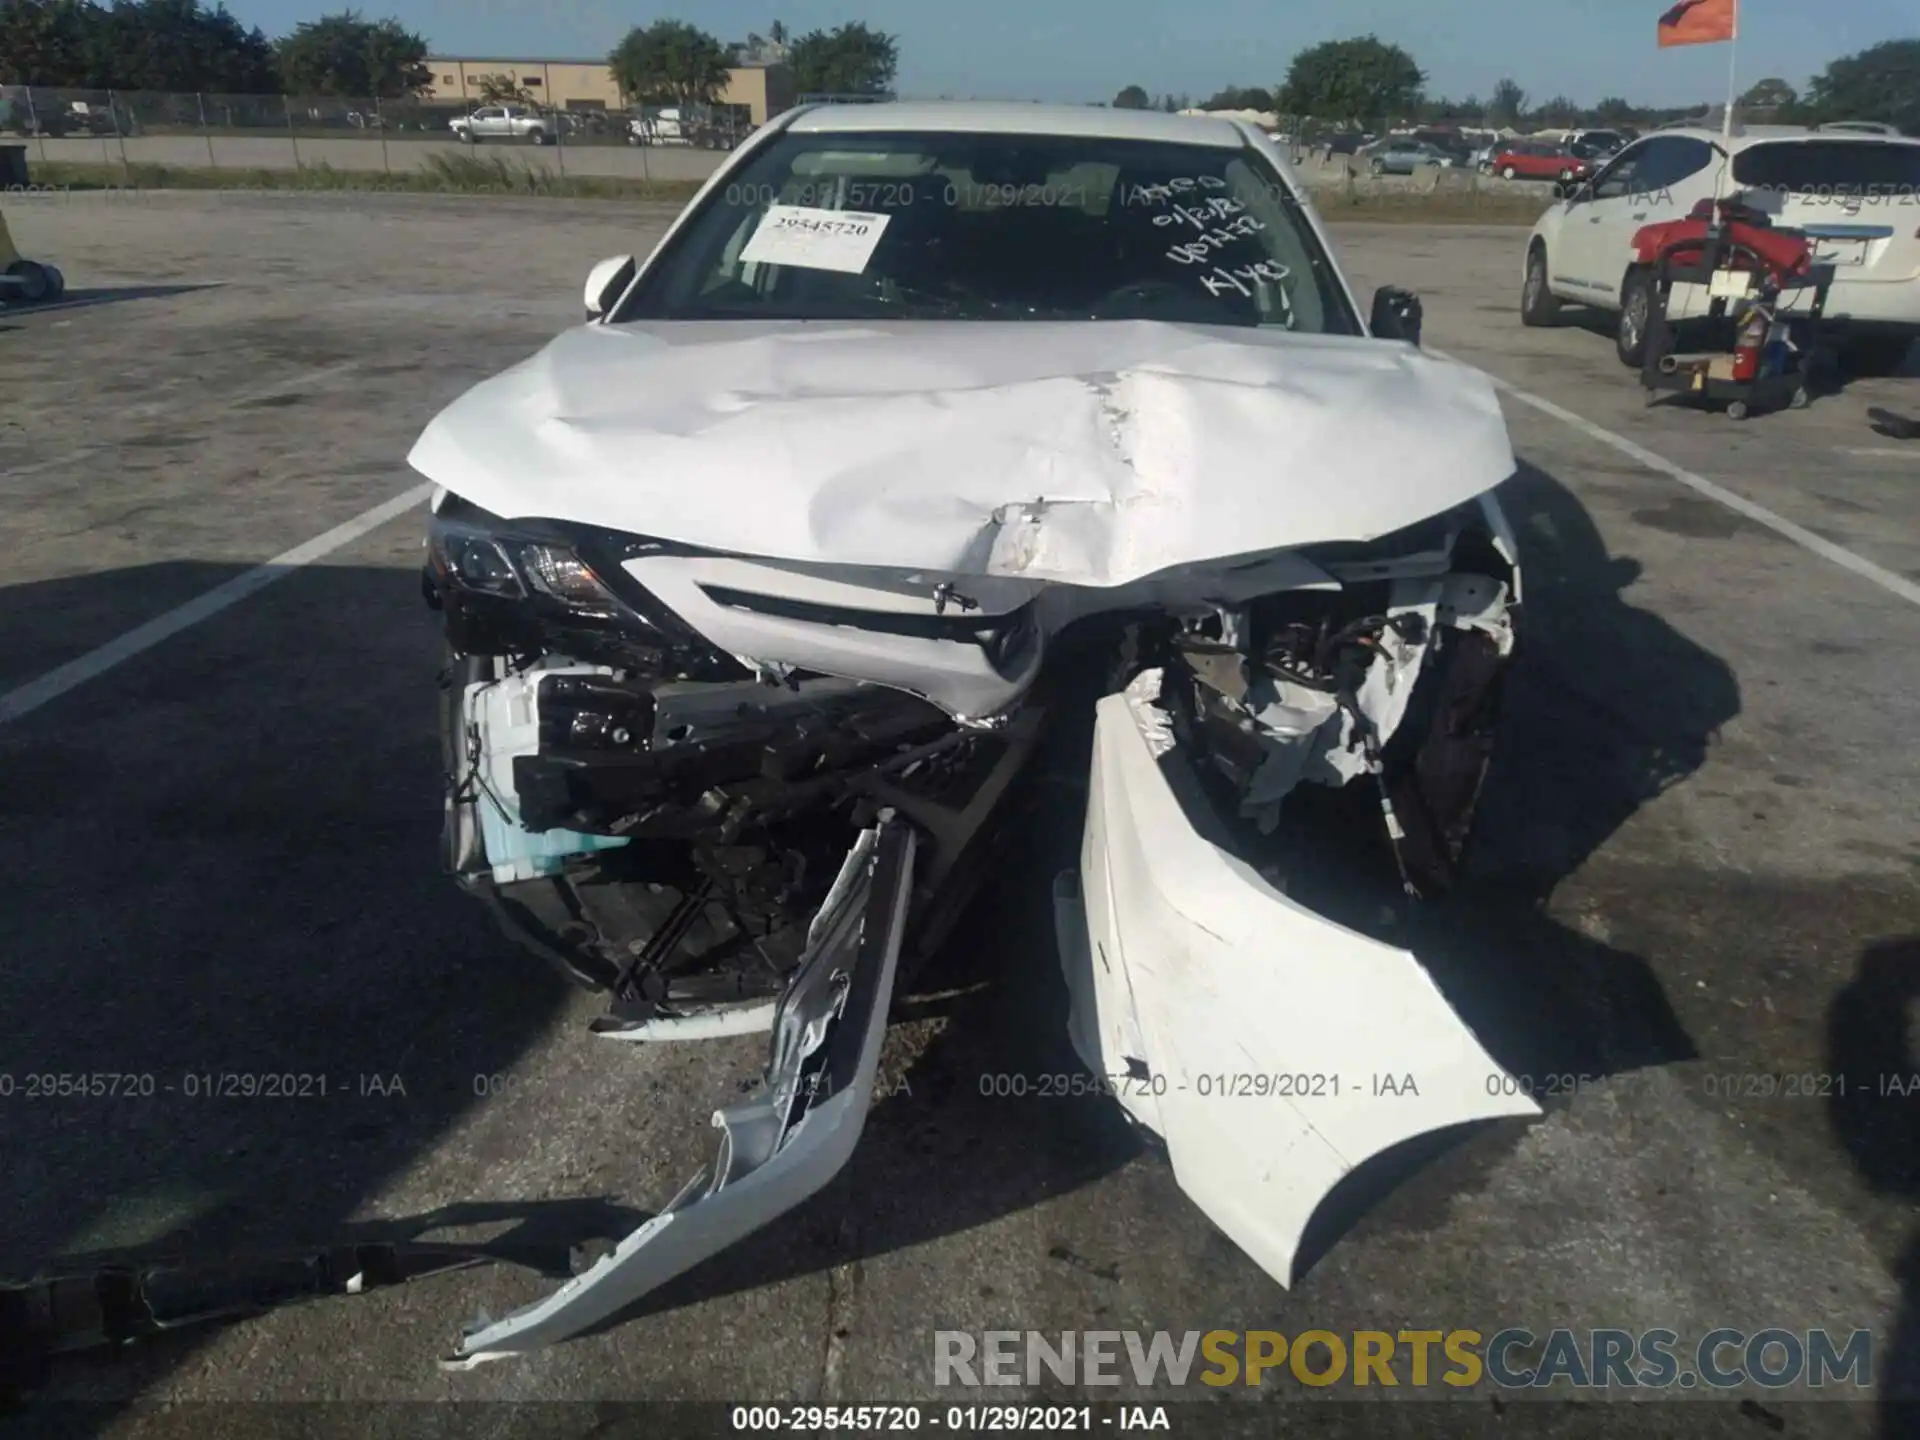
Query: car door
[[1648, 182], [487, 121], [1690, 170]]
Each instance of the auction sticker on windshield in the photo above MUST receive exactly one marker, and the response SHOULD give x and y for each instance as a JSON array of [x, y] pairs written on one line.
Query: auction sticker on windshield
[[840, 240]]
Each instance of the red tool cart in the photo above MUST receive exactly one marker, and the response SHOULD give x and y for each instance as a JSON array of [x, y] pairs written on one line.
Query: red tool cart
[[1763, 288]]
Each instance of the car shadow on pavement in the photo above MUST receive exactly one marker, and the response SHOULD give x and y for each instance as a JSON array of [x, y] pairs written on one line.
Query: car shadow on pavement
[[104, 295], [1874, 1109], [232, 920]]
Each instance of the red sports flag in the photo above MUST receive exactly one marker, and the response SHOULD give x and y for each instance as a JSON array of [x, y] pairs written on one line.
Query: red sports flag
[[1699, 22]]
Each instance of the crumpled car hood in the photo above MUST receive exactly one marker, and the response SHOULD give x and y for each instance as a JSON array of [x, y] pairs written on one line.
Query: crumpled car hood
[[1089, 453]]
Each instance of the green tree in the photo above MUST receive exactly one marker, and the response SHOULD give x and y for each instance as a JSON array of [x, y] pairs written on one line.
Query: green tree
[[777, 32], [1615, 111], [1362, 79], [47, 42], [347, 54], [1881, 82], [1133, 98], [1559, 113], [1457, 112], [502, 90], [177, 45], [850, 60], [1508, 104], [669, 62], [180, 45], [1174, 104], [1770, 94], [1239, 97]]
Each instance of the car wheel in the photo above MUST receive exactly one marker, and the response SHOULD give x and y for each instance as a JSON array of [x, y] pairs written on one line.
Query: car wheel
[[537, 137], [1507, 173], [1636, 316], [1377, 168], [1538, 304], [1565, 176], [1881, 355], [35, 284]]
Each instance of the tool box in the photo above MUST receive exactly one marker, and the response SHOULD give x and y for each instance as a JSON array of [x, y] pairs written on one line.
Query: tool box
[[1765, 295]]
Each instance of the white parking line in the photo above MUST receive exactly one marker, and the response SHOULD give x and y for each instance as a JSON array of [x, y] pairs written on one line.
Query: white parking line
[[55, 683], [1882, 453], [1893, 584]]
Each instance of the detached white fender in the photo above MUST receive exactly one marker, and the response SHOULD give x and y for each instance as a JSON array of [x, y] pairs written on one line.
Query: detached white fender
[[1273, 1050]]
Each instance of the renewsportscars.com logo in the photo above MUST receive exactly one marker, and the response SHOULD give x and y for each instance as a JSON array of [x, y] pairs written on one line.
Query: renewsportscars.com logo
[[1514, 1358]]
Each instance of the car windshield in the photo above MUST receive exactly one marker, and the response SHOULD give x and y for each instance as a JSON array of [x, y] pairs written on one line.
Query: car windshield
[[1831, 167], [873, 225]]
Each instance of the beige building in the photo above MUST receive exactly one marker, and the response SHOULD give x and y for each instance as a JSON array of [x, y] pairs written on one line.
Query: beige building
[[764, 89]]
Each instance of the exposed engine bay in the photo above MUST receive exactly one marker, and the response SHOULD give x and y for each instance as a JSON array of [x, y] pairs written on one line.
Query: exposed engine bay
[[663, 819]]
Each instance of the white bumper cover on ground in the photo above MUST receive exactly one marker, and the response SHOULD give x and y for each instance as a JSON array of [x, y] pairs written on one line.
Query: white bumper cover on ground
[[1272, 1049]]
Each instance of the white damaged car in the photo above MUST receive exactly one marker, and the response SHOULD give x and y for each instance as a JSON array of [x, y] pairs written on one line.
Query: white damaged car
[[755, 587]]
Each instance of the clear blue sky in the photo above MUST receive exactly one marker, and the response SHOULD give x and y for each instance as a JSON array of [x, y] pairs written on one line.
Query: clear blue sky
[[1079, 50]]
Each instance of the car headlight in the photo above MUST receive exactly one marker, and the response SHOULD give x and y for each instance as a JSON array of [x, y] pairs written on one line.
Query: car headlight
[[510, 568], [557, 572], [475, 562]]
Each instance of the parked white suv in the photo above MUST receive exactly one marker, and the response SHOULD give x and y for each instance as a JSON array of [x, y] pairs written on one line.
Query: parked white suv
[[1856, 193], [503, 122]]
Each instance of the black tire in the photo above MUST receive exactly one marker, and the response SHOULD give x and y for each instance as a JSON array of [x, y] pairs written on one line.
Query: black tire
[[1875, 356], [537, 137], [1636, 313], [35, 283], [1507, 173], [1538, 304]]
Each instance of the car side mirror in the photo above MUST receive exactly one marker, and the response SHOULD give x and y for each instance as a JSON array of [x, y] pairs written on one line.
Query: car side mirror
[[1396, 315], [606, 282]]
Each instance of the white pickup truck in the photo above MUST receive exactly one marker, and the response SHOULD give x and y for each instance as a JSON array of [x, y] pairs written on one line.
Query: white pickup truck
[[504, 122]]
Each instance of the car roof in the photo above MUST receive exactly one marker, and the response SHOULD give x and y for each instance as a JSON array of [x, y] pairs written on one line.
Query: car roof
[[1747, 136], [1012, 118]]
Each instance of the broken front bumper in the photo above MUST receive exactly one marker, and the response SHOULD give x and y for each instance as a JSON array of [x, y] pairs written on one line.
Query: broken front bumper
[[783, 1147], [1272, 1049]]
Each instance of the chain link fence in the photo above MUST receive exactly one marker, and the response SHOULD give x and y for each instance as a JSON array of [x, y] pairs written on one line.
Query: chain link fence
[[128, 129], [475, 145]]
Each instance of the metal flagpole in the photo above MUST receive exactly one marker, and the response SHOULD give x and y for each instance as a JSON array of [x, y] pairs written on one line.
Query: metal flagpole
[[1733, 56]]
